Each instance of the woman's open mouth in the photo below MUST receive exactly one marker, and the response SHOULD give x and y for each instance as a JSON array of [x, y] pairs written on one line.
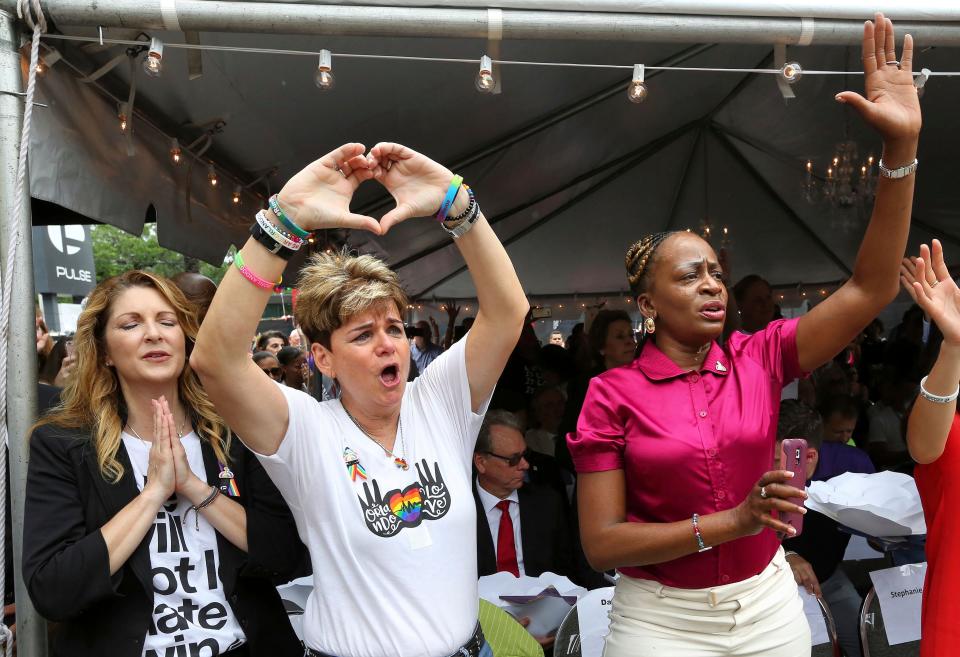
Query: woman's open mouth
[[390, 376], [713, 311]]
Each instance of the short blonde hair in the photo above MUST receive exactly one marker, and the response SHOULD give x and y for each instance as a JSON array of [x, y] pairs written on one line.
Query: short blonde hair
[[334, 287]]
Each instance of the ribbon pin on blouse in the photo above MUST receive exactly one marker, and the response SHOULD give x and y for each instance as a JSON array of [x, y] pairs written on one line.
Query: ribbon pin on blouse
[[720, 367], [226, 473]]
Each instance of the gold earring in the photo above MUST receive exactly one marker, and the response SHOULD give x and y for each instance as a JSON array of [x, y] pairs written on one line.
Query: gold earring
[[649, 326]]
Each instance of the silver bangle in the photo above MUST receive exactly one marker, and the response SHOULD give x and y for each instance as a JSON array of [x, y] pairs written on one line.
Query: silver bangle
[[937, 399], [901, 172]]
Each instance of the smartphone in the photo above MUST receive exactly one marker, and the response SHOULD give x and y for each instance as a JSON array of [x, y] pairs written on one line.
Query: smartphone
[[793, 457]]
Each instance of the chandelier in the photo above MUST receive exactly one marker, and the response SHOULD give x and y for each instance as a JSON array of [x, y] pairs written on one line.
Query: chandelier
[[847, 187]]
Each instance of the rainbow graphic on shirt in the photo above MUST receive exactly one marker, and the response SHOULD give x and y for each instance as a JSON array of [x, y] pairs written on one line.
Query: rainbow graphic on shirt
[[406, 505]]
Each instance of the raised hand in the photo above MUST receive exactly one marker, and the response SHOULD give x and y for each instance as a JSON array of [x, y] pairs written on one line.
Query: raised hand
[[417, 183], [319, 196], [934, 290], [891, 105]]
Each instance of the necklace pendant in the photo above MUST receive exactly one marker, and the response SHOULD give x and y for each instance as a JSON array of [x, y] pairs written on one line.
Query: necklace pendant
[[401, 463]]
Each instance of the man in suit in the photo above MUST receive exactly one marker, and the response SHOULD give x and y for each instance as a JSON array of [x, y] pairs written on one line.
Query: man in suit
[[522, 528]]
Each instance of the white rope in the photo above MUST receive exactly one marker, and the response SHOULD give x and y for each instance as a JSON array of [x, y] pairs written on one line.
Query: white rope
[[32, 15]]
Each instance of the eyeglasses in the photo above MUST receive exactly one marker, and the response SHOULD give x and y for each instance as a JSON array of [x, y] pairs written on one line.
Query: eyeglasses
[[513, 461], [273, 372]]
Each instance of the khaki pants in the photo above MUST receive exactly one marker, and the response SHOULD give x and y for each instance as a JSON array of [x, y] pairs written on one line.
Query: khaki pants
[[759, 617]]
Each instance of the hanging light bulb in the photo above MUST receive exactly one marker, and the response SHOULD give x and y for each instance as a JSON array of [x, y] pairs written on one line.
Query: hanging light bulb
[[637, 91], [485, 81], [323, 78], [212, 176], [122, 117], [791, 72], [176, 154], [153, 62], [41, 69], [237, 191]]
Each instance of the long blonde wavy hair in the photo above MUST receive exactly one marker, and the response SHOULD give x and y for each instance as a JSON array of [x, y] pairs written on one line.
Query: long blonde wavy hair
[[92, 398]]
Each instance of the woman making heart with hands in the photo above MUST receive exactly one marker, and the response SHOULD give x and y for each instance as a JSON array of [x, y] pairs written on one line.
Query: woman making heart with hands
[[379, 479]]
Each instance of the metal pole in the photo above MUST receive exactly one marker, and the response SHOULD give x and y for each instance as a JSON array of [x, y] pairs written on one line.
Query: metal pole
[[335, 20], [930, 10], [21, 347]]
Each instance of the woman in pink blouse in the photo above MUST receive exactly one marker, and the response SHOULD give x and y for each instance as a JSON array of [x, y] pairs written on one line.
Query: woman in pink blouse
[[674, 449]]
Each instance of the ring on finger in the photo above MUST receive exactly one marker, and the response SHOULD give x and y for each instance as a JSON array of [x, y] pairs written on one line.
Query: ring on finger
[[934, 284], [763, 492], [893, 62]]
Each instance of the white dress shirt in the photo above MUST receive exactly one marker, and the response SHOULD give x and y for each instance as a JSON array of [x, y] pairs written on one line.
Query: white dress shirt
[[489, 503]]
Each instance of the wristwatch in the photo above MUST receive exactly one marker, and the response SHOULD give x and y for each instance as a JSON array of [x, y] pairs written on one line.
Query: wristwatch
[[270, 244]]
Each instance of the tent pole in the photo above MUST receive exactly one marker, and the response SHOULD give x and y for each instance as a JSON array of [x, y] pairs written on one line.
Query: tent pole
[[21, 346], [445, 22]]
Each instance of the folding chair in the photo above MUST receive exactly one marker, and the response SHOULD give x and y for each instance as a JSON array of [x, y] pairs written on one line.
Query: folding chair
[[570, 635], [873, 634], [831, 649]]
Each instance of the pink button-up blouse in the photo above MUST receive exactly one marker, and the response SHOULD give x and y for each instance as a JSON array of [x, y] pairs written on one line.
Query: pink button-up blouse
[[692, 442]]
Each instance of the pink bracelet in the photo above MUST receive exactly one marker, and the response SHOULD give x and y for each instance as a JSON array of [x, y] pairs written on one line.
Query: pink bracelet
[[253, 278]]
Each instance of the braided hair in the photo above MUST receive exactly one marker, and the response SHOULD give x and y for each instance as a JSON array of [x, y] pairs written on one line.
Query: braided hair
[[640, 257]]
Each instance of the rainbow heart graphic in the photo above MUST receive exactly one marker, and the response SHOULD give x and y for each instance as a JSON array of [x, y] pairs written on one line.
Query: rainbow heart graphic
[[407, 505]]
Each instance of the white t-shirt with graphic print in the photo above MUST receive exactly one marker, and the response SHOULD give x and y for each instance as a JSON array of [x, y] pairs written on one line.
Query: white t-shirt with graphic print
[[394, 552], [190, 613]]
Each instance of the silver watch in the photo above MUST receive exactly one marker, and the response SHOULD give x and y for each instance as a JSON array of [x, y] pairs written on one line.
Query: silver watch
[[902, 172]]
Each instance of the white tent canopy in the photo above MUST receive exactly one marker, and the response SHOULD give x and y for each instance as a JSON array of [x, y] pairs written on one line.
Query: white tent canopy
[[570, 172]]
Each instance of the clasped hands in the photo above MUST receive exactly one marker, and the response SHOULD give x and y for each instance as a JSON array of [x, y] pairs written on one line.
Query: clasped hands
[[168, 469], [319, 196]]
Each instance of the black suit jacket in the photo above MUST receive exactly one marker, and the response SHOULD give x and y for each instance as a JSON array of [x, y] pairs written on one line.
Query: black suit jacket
[[66, 564], [544, 534]]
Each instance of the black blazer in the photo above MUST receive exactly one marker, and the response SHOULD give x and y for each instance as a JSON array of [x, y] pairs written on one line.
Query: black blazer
[[544, 534], [66, 564]]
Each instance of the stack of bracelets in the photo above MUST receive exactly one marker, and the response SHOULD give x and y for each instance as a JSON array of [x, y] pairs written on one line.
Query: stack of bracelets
[[459, 225], [286, 240]]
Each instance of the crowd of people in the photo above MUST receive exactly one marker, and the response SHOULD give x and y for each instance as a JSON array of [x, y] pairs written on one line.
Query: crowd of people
[[187, 465]]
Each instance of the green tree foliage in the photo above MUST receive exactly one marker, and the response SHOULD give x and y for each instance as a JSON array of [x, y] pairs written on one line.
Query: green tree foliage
[[116, 251]]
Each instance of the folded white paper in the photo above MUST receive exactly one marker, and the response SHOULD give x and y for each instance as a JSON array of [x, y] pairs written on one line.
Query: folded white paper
[[545, 600], [879, 504]]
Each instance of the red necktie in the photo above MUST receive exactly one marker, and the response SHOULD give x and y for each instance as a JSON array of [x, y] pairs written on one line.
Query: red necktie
[[506, 548]]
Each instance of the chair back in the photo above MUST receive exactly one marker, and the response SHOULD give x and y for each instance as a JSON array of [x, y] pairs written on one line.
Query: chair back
[[582, 631], [873, 633]]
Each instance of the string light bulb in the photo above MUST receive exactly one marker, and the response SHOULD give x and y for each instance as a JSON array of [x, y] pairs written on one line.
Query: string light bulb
[[153, 62], [323, 78], [176, 153], [485, 81], [212, 176], [40, 68], [791, 72], [637, 91], [237, 190], [122, 117]]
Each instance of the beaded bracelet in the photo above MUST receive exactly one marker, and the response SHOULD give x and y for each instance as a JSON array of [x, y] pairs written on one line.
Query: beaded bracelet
[[286, 221], [253, 278], [701, 547], [449, 198], [281, 236]]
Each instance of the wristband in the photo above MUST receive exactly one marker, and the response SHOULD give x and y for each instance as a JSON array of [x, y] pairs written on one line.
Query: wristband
[[937, 399], [462, 228], [196, 507], [449, 198], [253, 278], [453, 222], [270, 244], [281, 215], [701, 547], [277, 233]]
